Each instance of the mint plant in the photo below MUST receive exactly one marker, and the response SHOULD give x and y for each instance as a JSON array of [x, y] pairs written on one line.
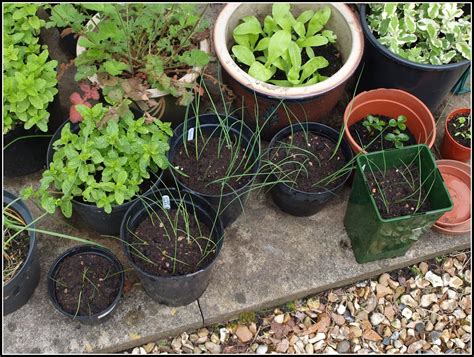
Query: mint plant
[[281, 43], [29, 77], [136, 46], [88, 92], [428, 33], [106, 161]]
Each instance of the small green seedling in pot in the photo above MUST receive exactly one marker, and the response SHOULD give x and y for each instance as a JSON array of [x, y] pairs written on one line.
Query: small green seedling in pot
[[463, 122], [398, 123], [373, 124], [397, 137]]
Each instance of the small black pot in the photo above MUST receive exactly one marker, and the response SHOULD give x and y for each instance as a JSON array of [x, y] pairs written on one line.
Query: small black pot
[[299, 203], [385, 69], [102, 316], [26, 155], [68, 43], [229, 205], [173, 290], [19, 289], [89, 214]]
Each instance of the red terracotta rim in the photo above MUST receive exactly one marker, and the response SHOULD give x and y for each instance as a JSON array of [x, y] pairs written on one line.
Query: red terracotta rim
[[459, 230], [458, 182]]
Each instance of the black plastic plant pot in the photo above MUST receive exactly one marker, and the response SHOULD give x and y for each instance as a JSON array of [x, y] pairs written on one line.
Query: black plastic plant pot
[[24, 150], [173, 290], [87, 249], [374, 237], [300, 203], [384, 69], [89, 214], [229, 205], [19, 289]]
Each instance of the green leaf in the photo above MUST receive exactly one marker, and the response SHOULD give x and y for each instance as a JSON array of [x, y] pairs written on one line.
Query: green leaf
[[310, 67], [262, 44], [295, 55], [299, 29], [114, 67], [279, 43], [280, 10], [318, 40], [251, 26], [318, 21], [243, 54], [260, 72], [305, 16]]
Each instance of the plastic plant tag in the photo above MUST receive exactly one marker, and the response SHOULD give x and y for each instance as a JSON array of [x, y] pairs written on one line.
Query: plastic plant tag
[[190, 134], [166, 202]]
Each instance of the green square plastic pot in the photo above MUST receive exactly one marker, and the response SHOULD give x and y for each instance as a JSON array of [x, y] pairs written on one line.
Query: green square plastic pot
[[374, 237]]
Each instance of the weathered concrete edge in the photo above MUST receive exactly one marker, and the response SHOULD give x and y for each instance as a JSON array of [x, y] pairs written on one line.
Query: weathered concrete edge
[[338, 284]]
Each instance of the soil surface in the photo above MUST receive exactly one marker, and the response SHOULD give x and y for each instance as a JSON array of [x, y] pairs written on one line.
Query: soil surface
[[401, 197], [87, 277], [315, 159], [212, 165], [362, 136], [167, 253], [15, 254], [454, 127], [328, 51]]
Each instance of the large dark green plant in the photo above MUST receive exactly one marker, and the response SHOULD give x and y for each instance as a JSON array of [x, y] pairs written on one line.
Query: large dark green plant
[[29, 77], [133, 47], [280, 44]]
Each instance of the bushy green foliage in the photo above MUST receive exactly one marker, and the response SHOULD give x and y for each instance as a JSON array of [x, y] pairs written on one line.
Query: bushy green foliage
[[106, 161], [29, 78], [154, 43], [429, 33], [279, 45]]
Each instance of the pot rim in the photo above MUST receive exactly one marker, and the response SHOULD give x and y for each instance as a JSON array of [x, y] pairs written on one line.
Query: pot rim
[[431, 137], [446, 131], [385, 51], [86, 249], [270, 90], [298, 127], [219, 229], [8, 197], [152, 92]]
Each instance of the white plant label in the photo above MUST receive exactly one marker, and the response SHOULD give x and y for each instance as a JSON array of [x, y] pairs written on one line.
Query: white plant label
[[166, 202], [190, 134]]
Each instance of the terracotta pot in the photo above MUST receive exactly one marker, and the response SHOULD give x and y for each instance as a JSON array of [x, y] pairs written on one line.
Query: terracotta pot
[[391, 103], [262, 100], [458, 181], [450, 148]]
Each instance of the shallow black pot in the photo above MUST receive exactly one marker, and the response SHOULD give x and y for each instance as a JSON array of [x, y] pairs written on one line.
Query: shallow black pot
[[24, 156], [384, 69], [97, 318], [229, 205], [19, 289], [173, 290], [88, 214], [296, 202]]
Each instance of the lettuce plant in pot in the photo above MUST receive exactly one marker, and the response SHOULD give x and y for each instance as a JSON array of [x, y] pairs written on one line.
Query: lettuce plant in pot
[[274, 53], [97, 167], [456, 142], [149, 53], [306, 166], [85, 283], [387, 118], [21, 268], [29, 79], [397, 195], [172, 238], [422, 48]]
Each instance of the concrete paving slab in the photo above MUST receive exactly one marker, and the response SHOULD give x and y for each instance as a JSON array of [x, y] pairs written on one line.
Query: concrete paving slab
[[38, 327], [270, 258]]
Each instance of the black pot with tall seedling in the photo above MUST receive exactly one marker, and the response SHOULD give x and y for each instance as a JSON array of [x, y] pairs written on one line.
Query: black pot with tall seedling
[[85, 283], [307, 165], [396, 196], [172, 238], [216, 157]]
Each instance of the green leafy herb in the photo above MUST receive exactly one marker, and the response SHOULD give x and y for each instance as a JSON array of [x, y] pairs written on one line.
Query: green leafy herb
[[278, 45]]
